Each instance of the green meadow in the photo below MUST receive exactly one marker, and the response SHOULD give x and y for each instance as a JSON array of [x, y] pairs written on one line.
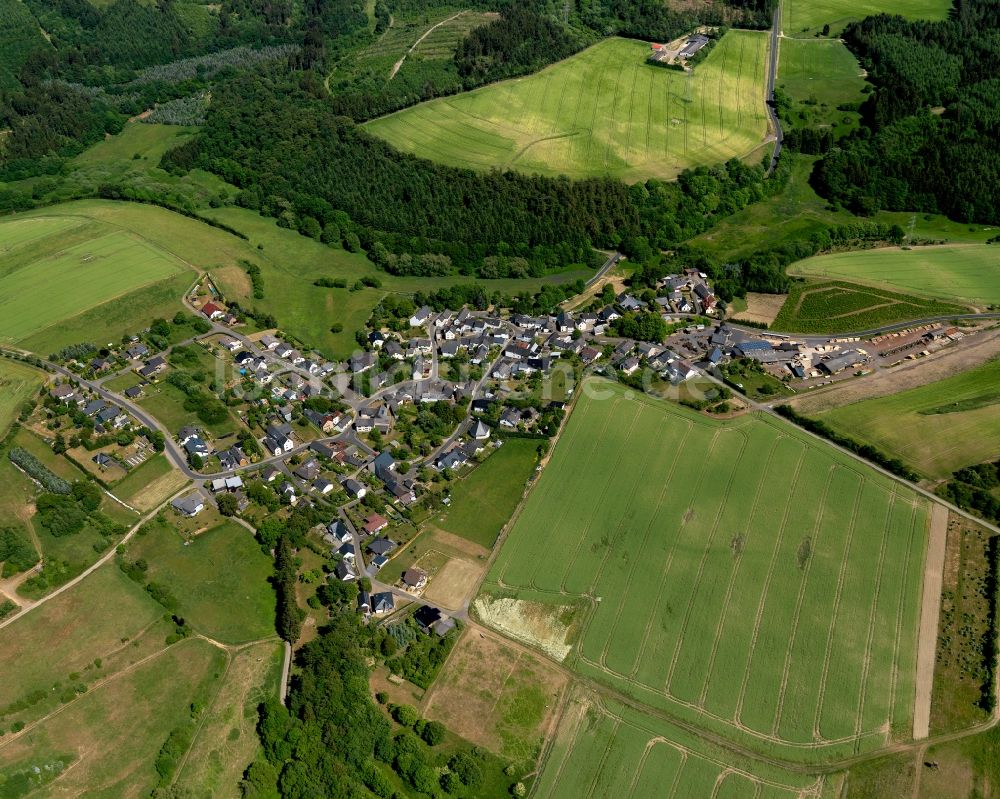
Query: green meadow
[[482, 502], [737, 574], [819, 76], [604, 111], [807, 17], [966, 273], [936, 428], [18, 382]]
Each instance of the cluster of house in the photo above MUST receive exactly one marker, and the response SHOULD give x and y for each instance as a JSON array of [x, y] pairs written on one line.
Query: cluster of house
[[107, 416], [464, 452]]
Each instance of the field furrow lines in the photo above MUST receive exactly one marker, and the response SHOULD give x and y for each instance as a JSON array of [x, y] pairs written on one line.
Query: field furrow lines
[[792, 490], [765, 473], [701, 569], [798, 610], [873, 616], [841, 576]]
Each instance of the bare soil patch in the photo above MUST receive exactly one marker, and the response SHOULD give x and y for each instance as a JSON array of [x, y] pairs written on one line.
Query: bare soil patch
[[930, 606], [496, 695], [975, 349], [762, 308], [546, 627], [454, 583]]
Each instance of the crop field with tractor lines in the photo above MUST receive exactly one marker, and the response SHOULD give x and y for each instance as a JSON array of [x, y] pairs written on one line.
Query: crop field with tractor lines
[[737, 574], [961, 272], [99, 262], [604, 111]]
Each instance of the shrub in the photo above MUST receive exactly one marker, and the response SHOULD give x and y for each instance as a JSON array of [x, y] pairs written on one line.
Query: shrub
[[38, 471]]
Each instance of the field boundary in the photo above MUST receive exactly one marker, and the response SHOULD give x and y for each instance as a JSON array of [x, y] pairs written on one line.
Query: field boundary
[[929, 613]]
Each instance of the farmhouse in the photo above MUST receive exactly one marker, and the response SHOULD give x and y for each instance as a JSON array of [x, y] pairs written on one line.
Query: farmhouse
[[693, 45]]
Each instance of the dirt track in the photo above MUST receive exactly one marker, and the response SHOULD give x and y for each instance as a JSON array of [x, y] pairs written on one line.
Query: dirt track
[[929, 610], [977, 349]]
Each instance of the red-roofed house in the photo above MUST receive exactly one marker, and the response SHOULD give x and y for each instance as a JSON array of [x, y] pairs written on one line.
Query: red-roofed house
[[374, 523], [212, 311]]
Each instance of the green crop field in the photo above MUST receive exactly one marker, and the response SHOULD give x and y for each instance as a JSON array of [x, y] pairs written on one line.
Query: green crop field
[[18, 382], [603, 749], [604, 111], [482, 503], [220, 579], [936, 428], [838, 307], [738, 574], [806, 17], [967, 273], [99, 262]]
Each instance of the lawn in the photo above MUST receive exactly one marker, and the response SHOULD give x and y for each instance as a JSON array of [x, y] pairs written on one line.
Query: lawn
[[936, 428], [108, 738], [819, 76], [840, 307], [603, 749], [18, 382], [807, 17], [604, 111], [111, 264], [166, 402], [738, 574], [482, 502], [964, 273], [220, 578]]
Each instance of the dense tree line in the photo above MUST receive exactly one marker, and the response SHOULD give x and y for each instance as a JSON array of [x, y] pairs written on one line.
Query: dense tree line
[[866, 451], [930, 127], [296, 160]]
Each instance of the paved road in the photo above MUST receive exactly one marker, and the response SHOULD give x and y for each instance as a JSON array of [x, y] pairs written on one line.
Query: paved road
[[772, 72], [608, 264]]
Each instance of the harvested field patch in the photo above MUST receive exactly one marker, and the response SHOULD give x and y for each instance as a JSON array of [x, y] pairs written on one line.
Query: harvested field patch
[[496, 695], [453, 583], [761, 308]]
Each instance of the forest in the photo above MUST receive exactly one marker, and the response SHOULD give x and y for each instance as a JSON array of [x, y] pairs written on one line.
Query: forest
[[930, 127]]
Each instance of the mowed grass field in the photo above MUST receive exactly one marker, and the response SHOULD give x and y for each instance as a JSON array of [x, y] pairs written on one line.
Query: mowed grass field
[[936, 428], [604, 749], [806, 17], [739, 573], [18, 382], [604, 111], [840, 307], [53, 271], [967, 272], [482, 503]]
